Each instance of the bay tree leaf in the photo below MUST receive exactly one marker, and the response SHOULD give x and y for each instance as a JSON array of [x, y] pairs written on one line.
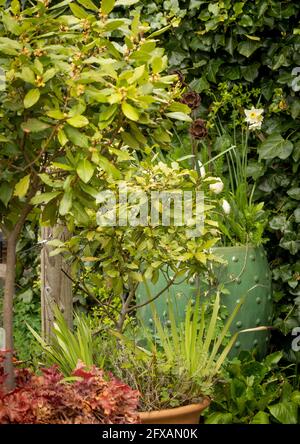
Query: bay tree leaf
[[177, 115], [32, 97], [6, 192], [130, 112], [88, 4], [65, 203], [55, 114], [126, 2], [78, 121], [49, 74], [62, 138], [107, 6], [109, 167], [11, 24], [85, 170], [34, 126], [9, 46], [44, 197], [275, 146], [22, 186], [78, 11], [27, 75], [76, 137]]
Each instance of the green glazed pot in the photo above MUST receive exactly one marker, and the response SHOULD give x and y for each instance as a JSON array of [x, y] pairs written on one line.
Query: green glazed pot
[[246, 275]]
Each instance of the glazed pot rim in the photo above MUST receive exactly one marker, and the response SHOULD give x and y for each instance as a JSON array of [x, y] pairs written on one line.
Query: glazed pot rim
[[176, 411], [240, 247]]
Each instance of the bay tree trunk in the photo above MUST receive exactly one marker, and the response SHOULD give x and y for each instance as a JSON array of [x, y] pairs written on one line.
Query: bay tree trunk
[[9, 291], [56, 287]]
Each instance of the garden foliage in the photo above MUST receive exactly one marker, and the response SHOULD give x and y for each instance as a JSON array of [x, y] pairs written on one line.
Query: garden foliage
[[88, 397], [237, 54]]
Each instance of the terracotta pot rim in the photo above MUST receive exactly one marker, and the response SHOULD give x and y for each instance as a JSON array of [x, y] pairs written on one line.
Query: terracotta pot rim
[[176, 411]]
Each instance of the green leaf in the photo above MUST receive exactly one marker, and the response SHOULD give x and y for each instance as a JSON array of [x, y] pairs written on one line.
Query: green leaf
[[66, 203], [22, 186], [34, 126], [32, 97], [9, 46], [126, 2], [219, 418], [85, 170], [294, 193], [76, 137], [44, 197], [275, 146], [6, 192], [107, 6], [62, 138], [27, 75], [88, 4], [285, 412], [26, 296], [55, 114], [78, 11], [78, 121], [260, 418], [109, 167], [130, 112], [179, 116], [248, 47]]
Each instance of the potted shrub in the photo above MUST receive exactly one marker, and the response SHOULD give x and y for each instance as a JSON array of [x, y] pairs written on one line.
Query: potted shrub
[[174, 368]]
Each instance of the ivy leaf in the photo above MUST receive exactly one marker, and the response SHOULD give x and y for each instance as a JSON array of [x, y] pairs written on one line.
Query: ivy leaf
[[85, 170], [22, 186], [248, 47], [107, 6], [261, 418], [130, 112], [275, 146], [32, 97], [294, 193], [285, 412], [78, 121]]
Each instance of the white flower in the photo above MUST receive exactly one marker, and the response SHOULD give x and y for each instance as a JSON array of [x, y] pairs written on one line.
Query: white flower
[[254, 117], [226, 206], [217, 187], [202, 170]]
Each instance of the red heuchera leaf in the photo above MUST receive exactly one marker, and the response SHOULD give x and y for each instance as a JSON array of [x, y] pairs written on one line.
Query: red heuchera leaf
[[96, 398]]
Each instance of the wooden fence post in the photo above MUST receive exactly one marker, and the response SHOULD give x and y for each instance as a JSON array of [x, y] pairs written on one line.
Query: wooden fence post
[[56, 287]]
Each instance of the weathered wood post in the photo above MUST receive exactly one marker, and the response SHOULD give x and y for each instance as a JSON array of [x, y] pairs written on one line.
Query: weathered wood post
[[56, 287]]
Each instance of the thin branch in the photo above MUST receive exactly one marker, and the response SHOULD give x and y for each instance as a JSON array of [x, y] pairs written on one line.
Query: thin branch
[[155, 297]]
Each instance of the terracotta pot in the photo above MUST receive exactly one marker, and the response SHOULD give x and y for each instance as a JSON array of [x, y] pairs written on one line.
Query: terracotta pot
[[189, 414]]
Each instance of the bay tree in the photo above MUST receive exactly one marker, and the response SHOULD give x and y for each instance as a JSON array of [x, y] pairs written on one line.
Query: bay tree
[[84, 91]]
